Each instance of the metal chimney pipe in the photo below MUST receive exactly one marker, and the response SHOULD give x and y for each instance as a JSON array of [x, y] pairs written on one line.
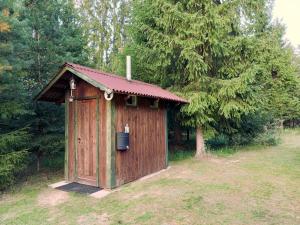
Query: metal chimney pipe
[[128, 68]]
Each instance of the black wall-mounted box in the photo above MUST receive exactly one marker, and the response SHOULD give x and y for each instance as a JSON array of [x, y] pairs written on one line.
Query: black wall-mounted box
[[122, 141]]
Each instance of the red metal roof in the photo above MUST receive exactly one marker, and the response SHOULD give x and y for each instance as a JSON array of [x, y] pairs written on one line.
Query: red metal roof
[[121, 85]]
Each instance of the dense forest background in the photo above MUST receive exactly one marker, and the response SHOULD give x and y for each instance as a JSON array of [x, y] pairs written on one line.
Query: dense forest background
[[227, 57]]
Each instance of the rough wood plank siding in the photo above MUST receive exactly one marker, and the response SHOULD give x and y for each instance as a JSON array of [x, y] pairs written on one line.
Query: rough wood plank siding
[[86, 133], [86, 111], [147, 153]]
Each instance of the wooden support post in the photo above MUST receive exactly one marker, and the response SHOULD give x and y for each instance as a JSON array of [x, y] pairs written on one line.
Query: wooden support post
[[166, 138], [110, 145], [67, 136], [97, 143], [75, 139]]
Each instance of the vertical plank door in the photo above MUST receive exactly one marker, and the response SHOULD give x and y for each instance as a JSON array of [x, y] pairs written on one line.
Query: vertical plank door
[[86, 141]]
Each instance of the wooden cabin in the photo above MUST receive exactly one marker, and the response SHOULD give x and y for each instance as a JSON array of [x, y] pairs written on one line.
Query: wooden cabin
[[115, 128]]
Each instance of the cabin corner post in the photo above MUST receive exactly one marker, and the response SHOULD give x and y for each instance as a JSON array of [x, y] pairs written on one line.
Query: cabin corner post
[[75, 140], [66, 137], [97, 142], [166, 138], [110, 145]]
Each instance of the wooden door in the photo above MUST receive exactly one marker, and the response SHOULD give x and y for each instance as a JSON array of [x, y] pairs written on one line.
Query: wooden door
[[87, 141]]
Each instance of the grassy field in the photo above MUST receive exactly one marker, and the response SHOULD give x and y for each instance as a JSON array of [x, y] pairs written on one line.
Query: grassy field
[[253, 186]]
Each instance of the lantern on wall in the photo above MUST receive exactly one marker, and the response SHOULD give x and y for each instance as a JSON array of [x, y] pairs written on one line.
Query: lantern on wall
[[72, 87]]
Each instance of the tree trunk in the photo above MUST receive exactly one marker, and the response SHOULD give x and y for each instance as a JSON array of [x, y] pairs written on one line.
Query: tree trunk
[[200, 147], [187, 134], [38, 164], [177, 133], [281, 124]]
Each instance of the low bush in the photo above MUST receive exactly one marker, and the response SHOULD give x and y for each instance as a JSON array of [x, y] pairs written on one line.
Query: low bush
[[218, 141], [11, 164], [269, 138], [252, 129], [54, 162], [224, 151], [13, 156], [178, 154]]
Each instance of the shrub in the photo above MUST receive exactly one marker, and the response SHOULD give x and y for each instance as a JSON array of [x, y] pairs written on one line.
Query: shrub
[[253, 128], [13, 156], [250, 127], [269, 138], [242, 133], [178, 155], [218, 141], [224, 151], [10, 165], [54, 161]]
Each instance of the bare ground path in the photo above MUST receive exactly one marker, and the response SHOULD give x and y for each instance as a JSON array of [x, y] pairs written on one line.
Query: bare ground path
[[254, 186]]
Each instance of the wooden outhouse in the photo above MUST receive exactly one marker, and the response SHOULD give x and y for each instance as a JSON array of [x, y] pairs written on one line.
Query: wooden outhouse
[[115, 128]]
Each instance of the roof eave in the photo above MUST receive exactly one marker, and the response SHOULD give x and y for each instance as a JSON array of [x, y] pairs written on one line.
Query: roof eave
[[50, 84], [61, 73], [181, 100]]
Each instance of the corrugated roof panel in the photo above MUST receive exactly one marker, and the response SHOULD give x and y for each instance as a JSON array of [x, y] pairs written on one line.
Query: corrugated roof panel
[[122, 85]]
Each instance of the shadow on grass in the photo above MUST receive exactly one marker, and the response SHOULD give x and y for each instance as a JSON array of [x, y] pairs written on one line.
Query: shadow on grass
[[182, 151], [185, 150], [180, 154], [224, 152]]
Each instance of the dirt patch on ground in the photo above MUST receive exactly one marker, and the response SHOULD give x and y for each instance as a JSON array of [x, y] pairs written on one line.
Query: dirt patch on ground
[[8, 216], [94, 218], [52, 197], [10, 199], [216, 160]]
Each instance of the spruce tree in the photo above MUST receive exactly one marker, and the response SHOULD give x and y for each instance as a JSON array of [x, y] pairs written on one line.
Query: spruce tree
[[55, 37], [13, 133], [211, 52]]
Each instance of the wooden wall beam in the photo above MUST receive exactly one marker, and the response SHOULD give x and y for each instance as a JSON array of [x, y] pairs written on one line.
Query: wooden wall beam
[[66, 136], [166, 137], [75, 139], [110, 145], [97, 142]]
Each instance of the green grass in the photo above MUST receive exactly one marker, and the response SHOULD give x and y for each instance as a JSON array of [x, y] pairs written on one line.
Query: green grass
[[255, 185], [179, 155], [224, 152]]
